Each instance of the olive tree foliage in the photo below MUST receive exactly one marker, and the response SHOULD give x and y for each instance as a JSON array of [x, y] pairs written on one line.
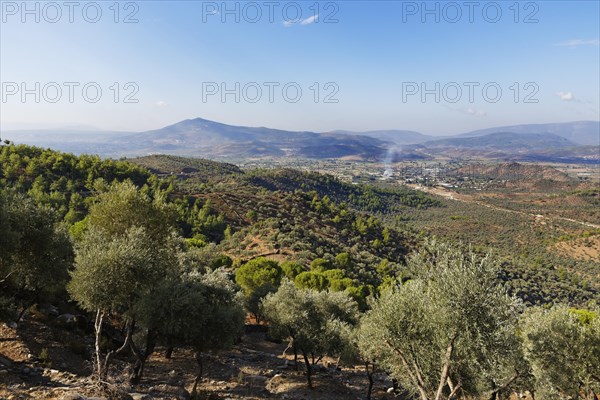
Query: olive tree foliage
[[563, 346], [357, 350], [127, 247], [314, 323], [448, 331], [35, 251], [201, 310], [112, 274], [201, 259], [257, 278]]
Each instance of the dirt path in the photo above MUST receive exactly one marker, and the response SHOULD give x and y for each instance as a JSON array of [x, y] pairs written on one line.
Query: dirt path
[[465, 198]]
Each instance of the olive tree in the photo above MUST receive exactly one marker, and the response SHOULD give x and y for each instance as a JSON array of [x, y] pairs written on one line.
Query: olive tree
[[448, 330], [563, 346], [201, 310], [36, 252], [313, 322], [127, 248]]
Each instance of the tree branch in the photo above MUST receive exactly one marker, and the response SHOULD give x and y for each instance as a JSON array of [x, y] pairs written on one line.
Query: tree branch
[[445, 369], [453, 390], [416, 381], [7, 276], [506, 384], [450, 384], [417, 368], [130, 326], [98, 328]]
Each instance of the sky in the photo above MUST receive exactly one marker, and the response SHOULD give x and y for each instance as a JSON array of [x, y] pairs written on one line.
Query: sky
[[434, 67]]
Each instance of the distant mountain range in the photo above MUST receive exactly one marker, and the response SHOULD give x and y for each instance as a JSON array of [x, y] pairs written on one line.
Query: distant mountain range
[[585, 133], [568, 142], [203, 137], [508, 141], [509, 146], [394, 136]]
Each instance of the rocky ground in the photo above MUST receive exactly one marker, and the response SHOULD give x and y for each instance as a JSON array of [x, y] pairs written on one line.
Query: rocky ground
[[44, 359]]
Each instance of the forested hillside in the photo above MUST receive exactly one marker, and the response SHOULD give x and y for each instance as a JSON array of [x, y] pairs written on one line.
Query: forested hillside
[[290, 215], [123, 260], [236, 218], [374, 199]]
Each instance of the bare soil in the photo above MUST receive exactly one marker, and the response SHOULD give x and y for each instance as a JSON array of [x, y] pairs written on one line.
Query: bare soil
[[580, 248], [253, 369]]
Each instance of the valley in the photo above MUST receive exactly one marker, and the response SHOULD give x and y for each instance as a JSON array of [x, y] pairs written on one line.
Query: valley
[[342, 226], [313, 200]]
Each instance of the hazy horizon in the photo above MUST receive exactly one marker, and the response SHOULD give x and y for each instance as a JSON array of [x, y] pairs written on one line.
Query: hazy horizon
[[85, 128]]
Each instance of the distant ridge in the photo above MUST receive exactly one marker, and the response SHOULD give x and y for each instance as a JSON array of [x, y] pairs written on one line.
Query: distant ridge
[[201, 137], [577, 141], [504, 141], [394, 136], [579, 132]]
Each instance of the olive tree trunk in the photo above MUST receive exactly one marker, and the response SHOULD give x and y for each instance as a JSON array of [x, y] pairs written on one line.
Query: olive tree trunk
[[198, 376], [370, 372], [308, 369], [142, 356], [129, 327]]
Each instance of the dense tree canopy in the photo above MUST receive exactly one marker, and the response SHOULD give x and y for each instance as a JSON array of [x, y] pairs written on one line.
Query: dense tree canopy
[[291, 269], [36, 251], [314, 322], [439, 321], [194, 309], [258, 277], [127, 248], [563, 346], [450, 328]]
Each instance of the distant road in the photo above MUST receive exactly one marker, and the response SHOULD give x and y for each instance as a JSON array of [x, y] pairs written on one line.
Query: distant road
[[448, 194]]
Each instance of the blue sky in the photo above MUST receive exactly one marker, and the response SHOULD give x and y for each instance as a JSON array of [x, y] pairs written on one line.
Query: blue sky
[[369, 56]]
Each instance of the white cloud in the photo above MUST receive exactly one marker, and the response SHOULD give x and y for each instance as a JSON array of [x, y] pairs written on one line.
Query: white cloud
[[162, 103], [310, 20], [579, 42], [476, 113], [565, 96]]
